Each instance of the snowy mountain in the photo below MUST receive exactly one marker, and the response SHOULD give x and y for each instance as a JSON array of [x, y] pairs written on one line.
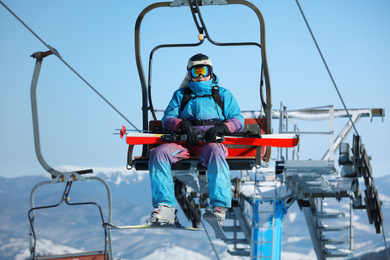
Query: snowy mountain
[[71, 229]]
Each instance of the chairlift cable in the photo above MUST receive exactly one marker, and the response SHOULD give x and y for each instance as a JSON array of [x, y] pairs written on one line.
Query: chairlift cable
[[327, 68], [59, 57], [384, 240], [342, 101]]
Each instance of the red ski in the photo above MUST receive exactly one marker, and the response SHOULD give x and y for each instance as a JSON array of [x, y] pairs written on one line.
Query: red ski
[[273, 140]]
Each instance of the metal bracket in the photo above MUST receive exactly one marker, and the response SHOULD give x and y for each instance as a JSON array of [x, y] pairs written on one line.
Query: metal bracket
[[178, 3]]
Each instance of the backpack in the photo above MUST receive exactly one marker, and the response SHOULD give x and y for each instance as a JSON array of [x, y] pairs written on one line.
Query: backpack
[[214, 94]]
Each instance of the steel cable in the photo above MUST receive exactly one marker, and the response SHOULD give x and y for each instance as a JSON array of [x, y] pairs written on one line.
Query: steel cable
[[326, 66], [54, 51]]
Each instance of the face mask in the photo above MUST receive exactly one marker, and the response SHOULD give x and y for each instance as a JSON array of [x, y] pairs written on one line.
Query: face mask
[[202, 87]]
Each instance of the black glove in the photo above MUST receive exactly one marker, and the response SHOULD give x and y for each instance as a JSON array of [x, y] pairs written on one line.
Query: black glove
[[211, 134], [187, 128]]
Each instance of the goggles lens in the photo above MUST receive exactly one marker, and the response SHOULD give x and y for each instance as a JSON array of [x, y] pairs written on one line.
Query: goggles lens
[[197, 71]]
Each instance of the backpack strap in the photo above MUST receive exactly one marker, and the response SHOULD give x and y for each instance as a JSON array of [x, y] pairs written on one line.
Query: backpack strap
[[214, 94], [186, 98], [217, 97]]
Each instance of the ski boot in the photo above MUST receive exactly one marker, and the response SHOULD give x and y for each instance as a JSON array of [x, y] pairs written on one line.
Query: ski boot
[[164, 215]]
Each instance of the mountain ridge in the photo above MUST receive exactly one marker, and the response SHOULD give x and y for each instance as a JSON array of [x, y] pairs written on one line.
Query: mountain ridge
[[132, 205]]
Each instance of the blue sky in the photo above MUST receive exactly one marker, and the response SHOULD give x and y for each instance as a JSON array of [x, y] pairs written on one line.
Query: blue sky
[[97, 39]]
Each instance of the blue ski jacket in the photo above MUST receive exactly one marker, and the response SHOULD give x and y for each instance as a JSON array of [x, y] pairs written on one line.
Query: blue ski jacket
[[203, 107]]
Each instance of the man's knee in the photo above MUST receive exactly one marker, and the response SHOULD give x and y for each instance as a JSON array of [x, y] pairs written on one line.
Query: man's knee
[[217, 151], [158, 154], [212, 148]]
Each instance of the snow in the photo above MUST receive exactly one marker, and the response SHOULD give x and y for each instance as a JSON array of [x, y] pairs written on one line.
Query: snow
[[292, 216], [44, 247], [175, 253], [115, 175], [297, 256], [384, 198], [294, 239]]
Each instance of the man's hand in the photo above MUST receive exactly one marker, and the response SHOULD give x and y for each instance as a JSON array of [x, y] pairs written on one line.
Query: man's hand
[[211, 134], [187, 128]]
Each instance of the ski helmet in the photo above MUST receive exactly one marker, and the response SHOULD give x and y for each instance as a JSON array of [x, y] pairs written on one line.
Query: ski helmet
[[199, 59]]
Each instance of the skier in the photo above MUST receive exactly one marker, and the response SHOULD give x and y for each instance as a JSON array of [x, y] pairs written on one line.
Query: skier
[[198, 106]]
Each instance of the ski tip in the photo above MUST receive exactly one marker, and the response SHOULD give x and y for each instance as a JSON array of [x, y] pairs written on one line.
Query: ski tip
[[122, 132], [294, 141], [298, 139], [108, 226]]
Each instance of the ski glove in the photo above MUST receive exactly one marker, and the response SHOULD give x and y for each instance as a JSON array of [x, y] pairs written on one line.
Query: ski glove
[[212, 133], [187, 128]]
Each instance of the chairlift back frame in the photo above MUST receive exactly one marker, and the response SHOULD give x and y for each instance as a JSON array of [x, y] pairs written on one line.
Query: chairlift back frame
[[147, 104]]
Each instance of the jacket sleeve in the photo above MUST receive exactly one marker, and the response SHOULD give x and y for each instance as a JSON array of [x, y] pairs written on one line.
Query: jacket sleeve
[[171, 120], [234, 119]]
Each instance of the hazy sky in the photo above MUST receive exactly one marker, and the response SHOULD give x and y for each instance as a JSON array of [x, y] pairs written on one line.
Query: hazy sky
[[97, 39]]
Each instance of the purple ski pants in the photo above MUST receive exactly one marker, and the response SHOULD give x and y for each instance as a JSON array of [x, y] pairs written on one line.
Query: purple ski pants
[[211, 155]]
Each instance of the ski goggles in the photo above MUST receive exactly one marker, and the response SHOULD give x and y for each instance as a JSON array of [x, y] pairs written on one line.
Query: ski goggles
[[195, 72]]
